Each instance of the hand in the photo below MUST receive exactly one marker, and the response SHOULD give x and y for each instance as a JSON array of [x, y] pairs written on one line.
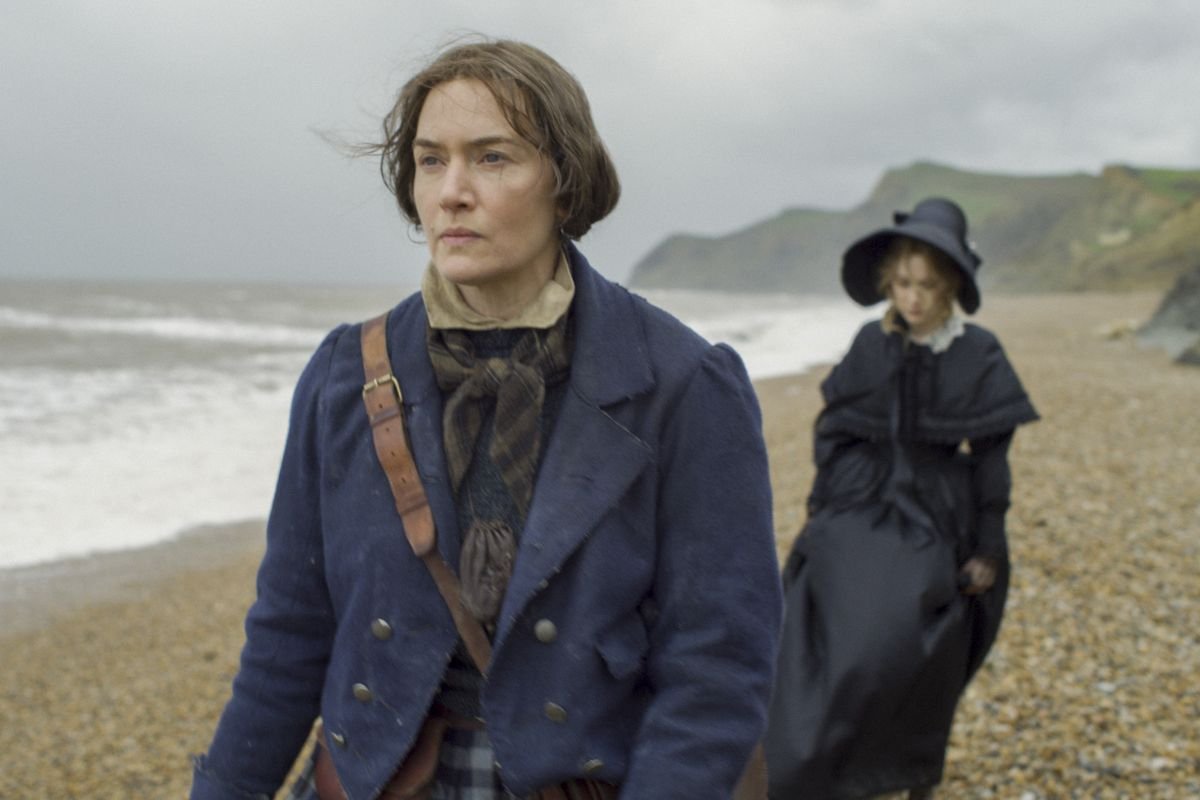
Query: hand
[[980, 573]]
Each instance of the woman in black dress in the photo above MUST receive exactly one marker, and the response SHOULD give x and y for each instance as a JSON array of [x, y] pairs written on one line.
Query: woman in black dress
[[896, 585]]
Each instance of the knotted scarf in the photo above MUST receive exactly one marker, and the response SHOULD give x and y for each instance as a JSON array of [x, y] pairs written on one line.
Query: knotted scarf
[[513, 389]]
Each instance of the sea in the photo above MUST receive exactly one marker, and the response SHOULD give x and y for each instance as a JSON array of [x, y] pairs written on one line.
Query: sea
[[132, 412]]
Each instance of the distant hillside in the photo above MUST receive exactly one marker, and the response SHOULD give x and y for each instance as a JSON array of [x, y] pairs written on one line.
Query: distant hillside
[[1124, 228]]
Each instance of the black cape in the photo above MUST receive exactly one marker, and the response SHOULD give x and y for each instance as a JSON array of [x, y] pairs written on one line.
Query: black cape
[[879, 641]]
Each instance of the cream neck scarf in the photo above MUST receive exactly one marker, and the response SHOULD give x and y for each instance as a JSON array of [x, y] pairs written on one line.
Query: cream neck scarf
[[446, 308]]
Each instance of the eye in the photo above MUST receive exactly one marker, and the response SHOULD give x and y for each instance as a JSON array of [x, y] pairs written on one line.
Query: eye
[[426, 160], [492, 157]]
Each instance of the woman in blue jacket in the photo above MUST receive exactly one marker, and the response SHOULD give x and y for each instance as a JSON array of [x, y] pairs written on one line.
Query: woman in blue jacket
[[595, 472]]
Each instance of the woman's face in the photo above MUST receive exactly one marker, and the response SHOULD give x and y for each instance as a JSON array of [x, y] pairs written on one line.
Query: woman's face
[[485, 198], [919, 294]]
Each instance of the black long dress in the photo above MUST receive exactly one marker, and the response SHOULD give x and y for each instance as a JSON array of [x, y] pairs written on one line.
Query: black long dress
[[879, 641]]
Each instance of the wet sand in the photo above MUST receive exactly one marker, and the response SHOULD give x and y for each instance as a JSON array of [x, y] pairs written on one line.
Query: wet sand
[[113, 668]]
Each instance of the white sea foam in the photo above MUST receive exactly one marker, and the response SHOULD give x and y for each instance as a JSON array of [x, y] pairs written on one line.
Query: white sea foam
[[193, 328], [776, 334], [143, 472]]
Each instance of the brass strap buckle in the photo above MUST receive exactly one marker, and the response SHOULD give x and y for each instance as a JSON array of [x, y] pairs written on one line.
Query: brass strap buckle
[[382, 380]]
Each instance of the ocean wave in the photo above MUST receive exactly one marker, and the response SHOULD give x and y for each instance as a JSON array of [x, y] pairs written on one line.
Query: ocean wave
[[779, 341], [191, 328]]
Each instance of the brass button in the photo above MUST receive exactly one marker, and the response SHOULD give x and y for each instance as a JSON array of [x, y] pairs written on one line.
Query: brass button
[[338, 739], [592, 765], [381, 630], [554, 712], [545, 631], [362, 693]]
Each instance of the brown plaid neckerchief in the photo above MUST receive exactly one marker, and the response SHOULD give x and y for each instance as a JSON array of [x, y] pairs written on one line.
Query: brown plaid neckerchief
[[517, 387]]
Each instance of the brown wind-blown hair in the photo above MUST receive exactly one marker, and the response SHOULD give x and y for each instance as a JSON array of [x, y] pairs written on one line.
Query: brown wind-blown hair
[[900, 250], [542, 102]]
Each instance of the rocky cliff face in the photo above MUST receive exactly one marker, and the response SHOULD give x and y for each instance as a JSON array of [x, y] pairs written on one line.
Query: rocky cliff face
[[1176, 324]]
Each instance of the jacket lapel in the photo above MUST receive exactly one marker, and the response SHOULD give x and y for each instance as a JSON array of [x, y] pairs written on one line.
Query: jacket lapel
[[591, 459], [589, 465]]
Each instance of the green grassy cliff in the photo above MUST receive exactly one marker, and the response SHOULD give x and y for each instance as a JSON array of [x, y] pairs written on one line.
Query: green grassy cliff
[[1124, 228]]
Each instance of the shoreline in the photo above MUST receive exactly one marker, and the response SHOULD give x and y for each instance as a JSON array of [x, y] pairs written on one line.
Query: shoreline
[[35, 595]]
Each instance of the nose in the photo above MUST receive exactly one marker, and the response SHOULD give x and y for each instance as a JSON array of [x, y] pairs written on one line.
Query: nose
[[456, 190]]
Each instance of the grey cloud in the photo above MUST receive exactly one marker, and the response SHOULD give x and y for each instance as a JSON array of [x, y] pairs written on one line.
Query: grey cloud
[[153, 139]]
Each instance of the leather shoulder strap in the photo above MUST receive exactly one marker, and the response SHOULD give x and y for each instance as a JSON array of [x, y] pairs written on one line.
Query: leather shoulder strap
[[382, 397], [385, 411]]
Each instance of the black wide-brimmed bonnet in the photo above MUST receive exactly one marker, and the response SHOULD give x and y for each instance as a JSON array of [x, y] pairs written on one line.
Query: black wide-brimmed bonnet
[[935, 221]]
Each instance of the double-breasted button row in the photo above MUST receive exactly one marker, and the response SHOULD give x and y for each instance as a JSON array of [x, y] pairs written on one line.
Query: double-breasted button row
[[545, 631], [382, 630]]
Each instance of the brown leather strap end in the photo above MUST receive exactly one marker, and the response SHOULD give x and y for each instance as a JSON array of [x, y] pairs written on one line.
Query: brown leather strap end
[[419, 529]]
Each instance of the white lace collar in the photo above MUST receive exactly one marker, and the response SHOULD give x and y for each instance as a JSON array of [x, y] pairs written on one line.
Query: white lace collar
[[939, 340]]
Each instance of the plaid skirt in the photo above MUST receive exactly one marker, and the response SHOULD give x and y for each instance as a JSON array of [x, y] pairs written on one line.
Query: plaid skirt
[[465, 771]]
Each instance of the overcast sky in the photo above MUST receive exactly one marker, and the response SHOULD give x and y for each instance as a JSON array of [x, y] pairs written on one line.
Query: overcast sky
[[179, 139]]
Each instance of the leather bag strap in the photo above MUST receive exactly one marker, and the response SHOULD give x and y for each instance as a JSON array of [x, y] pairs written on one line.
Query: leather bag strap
[[385, 411]]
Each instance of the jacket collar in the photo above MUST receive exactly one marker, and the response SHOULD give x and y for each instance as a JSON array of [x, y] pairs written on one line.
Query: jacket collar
[[610, 362], [611, 359]]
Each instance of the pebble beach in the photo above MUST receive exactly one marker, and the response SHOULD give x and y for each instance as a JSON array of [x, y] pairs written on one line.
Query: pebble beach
[[113, 669]]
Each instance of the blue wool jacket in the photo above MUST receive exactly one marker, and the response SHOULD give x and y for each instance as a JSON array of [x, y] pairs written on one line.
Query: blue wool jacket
[[648, 546]]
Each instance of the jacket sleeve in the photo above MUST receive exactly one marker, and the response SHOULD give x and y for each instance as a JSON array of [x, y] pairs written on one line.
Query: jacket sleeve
[[289, 628], [991, 482], [713, 644]]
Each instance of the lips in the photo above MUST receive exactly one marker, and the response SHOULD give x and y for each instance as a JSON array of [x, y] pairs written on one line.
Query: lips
[[458, 236]]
